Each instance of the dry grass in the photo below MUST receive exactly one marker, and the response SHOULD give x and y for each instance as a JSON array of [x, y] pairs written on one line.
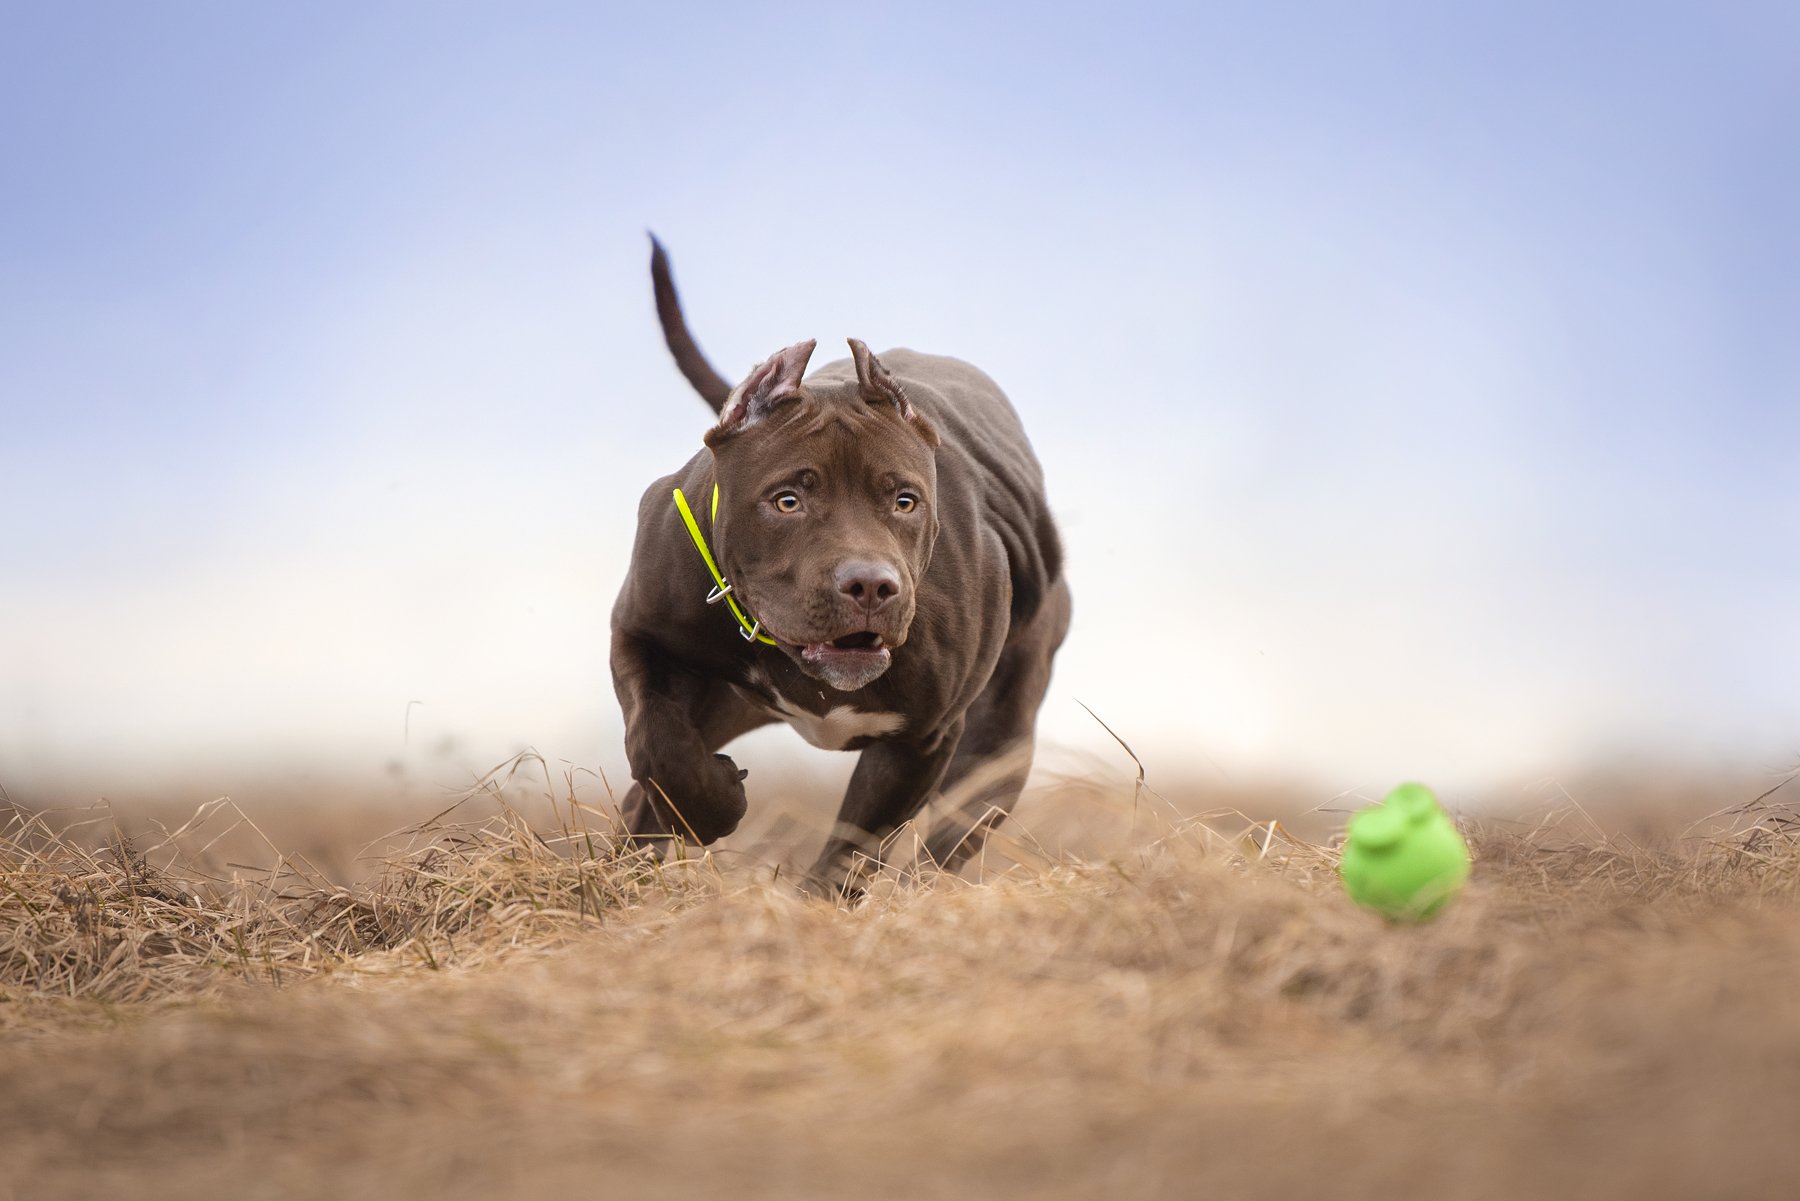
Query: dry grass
[[88, 911], [510, 1005]]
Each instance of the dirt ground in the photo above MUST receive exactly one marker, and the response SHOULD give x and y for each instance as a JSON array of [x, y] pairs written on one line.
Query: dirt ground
[[510, 1008]]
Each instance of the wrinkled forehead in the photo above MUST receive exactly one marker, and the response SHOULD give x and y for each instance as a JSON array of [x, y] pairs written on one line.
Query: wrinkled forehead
[[840, 437]]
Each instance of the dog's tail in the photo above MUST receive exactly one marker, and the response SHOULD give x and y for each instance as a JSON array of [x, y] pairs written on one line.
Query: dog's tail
[[712, 386]]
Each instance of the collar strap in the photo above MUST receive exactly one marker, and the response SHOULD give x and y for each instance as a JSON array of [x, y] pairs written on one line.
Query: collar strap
[[751, 630]]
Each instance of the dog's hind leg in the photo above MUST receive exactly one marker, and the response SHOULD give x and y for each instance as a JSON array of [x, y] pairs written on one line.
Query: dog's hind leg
[[994, 758]]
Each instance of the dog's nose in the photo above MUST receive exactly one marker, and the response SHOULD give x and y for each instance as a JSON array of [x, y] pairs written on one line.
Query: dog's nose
[[870, 585]]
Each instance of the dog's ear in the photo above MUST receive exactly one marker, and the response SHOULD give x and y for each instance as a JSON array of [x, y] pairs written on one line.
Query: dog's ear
[[878, 387], [775, 379]]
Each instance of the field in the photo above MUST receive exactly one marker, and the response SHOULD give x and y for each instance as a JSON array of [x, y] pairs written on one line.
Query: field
[[1192, 1008]]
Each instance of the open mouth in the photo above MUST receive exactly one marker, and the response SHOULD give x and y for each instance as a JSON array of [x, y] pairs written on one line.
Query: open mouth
[[862, 642], [848, 663]]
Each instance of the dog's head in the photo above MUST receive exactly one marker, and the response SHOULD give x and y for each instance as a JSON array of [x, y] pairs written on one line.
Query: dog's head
[[827, 511]]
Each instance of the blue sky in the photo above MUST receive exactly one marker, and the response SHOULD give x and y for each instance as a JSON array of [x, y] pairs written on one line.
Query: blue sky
[[1418, 384]]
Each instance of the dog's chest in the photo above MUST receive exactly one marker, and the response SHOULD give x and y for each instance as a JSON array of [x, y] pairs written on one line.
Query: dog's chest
[[833, 730]]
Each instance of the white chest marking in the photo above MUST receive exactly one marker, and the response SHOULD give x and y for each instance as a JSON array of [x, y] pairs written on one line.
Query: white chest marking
[[835, 730]]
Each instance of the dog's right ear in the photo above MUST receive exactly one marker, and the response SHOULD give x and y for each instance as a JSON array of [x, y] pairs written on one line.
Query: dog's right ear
[[879, 387], [775, 379]]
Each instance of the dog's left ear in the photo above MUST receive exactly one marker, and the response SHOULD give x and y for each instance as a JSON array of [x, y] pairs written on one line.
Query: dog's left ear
[[775, 379], [878, 387]]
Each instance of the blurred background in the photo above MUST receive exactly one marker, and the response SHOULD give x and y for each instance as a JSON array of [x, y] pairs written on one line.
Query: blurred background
[[1418, 392]]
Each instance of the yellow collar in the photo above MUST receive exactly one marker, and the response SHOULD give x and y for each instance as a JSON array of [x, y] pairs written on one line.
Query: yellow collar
[[752, 630]]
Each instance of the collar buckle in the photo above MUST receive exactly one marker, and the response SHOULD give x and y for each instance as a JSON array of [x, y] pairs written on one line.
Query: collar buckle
[[750, 629]]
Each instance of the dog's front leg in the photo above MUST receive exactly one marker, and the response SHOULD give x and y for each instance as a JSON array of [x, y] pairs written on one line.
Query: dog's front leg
[[891, 783], [682, 790]]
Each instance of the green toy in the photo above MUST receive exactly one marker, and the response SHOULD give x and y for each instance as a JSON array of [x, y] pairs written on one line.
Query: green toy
[[1404, 857]]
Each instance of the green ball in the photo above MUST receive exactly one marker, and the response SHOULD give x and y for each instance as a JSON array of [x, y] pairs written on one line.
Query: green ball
[[1404, 857]]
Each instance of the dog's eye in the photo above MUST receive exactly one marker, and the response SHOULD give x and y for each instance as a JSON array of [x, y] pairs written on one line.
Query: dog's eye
[[906, 502], [788, 502]]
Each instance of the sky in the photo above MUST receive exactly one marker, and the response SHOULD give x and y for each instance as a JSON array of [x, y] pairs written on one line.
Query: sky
[[1417, 385]]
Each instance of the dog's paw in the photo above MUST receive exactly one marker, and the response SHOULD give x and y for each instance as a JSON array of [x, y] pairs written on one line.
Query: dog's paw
[[696, 801], [842, 893], [723, 801]]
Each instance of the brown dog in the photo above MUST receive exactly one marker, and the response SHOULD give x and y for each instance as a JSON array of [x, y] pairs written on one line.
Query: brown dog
[[864, 553]]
